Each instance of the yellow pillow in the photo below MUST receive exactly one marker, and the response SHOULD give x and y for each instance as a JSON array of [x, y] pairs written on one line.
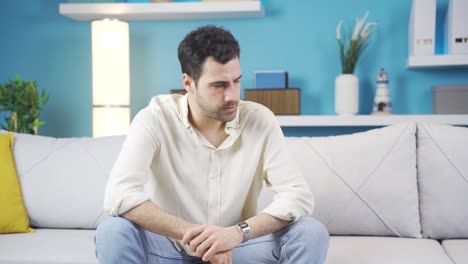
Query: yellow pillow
[[13, 215]]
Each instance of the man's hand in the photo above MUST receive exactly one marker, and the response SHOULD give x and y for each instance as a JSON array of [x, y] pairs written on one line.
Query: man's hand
[[207, 240], [222, 258]]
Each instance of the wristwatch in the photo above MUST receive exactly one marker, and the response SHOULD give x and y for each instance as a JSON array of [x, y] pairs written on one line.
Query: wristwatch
[[244, 228]]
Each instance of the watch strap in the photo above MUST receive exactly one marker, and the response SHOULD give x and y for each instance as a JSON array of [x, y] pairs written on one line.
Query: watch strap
[[245, 229]]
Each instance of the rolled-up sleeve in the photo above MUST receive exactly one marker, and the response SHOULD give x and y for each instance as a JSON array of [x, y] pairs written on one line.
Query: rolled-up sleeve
[[292, 196], [132, 169]]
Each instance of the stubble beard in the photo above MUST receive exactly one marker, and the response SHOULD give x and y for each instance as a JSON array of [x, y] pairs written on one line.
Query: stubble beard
[[224, 117], [218, 112]]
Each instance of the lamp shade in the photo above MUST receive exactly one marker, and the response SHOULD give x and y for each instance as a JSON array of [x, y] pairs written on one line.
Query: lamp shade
[[110, 121], [111, 77]]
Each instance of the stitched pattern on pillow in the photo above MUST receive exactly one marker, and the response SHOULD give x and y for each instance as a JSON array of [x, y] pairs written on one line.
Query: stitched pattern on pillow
[[76, 170], [364, 183], [443, 178], [356, 190]]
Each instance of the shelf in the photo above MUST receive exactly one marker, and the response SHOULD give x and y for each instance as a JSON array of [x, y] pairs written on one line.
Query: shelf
[[162, 11], [436, 61], [365, 120]]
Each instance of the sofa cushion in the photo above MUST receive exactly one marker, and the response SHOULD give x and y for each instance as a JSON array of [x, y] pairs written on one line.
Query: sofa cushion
[[457, 250], [63, 180], [443, 180], [13, 215], [364, 183], [48, 246], [385, 250]]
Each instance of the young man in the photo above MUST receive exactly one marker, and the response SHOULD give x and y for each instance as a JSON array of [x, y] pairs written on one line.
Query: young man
[[184, 187]]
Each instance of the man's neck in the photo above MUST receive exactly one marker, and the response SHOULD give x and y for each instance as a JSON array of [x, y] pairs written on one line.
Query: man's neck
[[211, 129], [203, 123], [206, 124]]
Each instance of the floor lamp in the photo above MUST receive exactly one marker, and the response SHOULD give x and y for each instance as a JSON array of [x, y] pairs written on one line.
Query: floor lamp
[[111, 77]]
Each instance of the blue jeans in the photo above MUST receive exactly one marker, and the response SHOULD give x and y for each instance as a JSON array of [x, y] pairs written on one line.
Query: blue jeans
[[118, 240]]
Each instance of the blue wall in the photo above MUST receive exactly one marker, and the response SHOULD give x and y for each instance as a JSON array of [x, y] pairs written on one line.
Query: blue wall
[[298, 36]]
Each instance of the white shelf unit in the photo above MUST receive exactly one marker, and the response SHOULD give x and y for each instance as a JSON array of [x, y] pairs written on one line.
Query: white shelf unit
[[437, 61], [162, 11], [365, 120]]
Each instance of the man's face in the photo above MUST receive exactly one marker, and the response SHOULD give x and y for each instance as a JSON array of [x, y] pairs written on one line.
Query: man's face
[[218, 91]]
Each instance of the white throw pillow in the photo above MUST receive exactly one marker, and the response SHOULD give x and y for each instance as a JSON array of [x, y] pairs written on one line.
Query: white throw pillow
[[443, 180], [363, 183], [63, 180]]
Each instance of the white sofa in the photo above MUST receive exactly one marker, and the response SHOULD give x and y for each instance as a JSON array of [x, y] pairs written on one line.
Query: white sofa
[[397, 194]]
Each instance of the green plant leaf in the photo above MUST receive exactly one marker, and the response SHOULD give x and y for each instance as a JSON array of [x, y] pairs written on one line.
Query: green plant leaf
[[23, 98], [39, 123]]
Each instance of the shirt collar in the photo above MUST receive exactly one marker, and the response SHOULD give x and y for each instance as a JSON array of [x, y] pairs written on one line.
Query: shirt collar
[[185, 111], [235, 122]]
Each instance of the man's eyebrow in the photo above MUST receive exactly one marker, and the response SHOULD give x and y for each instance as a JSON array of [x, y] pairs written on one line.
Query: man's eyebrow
[[223, 82]]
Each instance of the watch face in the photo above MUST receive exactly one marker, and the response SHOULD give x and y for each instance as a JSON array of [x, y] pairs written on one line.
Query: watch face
[[243, 225]]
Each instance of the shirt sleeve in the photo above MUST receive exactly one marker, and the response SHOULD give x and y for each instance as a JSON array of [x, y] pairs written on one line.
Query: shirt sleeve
[[292, 196], [132, 169]]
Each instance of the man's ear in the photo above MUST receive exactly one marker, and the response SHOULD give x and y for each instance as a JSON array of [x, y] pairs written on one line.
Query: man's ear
[[189, 83]]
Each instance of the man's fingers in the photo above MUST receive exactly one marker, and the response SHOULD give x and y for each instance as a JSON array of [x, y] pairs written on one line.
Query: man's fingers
[[201, 249], [210, 253], [195, 242], [189, 235], [221, 258]]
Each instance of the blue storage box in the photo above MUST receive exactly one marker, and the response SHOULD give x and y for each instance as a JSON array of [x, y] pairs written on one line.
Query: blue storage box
[[270, 79]]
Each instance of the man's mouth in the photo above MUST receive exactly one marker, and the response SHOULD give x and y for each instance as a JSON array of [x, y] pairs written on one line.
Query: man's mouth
[[230, 108]]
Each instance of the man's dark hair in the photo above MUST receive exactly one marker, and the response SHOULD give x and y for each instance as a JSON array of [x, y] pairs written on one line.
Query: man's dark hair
[[204, 42]]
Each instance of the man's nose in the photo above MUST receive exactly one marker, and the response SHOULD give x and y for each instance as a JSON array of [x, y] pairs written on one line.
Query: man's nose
[[231, 93]]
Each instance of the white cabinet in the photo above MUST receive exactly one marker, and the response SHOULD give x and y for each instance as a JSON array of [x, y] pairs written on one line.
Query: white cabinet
[[421, 37], [435, 61]]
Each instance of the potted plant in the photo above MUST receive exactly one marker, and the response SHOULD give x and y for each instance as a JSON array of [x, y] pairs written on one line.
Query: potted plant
[[23, 101], [351, 47]]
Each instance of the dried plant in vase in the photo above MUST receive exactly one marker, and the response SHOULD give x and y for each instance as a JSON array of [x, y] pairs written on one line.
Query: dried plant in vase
[[352, 46]]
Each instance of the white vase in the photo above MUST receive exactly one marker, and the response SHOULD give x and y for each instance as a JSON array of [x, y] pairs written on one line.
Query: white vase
[[346, 94]]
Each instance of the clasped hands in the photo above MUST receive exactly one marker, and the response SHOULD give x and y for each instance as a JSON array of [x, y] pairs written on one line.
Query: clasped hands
[[213, 243]]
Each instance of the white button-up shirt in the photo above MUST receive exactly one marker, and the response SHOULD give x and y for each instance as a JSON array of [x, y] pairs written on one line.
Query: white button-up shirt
[[168, 161]]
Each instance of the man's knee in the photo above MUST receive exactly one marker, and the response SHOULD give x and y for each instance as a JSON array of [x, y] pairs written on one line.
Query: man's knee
[[118, 240], [308, 241], [115, 233], [313, 232], [114, 227]]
